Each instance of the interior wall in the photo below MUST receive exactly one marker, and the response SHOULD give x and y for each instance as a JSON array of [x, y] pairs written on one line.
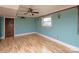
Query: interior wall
[[64, 28], [24, 25], [1, 27]]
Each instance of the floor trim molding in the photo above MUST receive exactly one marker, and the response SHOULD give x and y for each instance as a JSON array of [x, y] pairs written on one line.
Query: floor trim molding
[[60, 42], [20, 34], [24, 34], [50, 38]]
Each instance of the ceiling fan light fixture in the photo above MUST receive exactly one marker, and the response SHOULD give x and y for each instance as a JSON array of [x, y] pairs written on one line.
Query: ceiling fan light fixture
[[31, 12]]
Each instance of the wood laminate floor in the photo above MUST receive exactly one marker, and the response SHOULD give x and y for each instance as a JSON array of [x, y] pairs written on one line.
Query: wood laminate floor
[[31, 44]]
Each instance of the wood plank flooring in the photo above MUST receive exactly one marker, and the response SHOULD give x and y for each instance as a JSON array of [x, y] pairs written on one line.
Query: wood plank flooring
[[31, 44]]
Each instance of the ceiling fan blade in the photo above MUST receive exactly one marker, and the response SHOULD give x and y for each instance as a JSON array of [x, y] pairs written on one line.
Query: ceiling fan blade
[[25, 13], [36, 12]]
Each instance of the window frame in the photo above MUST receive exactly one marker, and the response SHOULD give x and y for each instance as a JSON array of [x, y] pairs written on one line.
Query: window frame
[[49, 21]]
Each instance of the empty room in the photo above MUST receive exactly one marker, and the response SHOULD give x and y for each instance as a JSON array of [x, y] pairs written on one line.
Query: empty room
[[39, 28]]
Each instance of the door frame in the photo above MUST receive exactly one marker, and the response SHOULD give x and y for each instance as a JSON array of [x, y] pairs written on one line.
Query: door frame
[[4, 25]]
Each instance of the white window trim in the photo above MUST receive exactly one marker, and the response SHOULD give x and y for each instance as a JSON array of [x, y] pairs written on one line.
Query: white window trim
[[42, 22]]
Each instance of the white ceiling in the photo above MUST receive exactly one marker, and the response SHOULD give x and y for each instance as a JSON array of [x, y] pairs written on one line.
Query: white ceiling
[[11, 10]]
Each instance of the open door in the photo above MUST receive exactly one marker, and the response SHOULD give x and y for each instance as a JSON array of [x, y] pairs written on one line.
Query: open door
[[9, 27]]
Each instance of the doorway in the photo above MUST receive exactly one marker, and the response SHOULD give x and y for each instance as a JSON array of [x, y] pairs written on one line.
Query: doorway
[[9, 27]]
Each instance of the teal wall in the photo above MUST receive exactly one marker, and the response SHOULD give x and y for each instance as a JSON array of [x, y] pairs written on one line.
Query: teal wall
[[24, 25], [21, 26], [63, 29], [1, 26]]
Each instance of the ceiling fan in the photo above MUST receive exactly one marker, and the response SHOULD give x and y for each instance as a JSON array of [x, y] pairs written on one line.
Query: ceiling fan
[[31, 11]]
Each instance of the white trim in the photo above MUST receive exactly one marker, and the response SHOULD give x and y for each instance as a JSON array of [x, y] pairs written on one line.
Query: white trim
[[50, 38], [60, 42], [25, 34], [3, 37]]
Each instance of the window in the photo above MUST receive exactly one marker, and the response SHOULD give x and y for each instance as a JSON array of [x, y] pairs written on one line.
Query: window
[[46, 21]]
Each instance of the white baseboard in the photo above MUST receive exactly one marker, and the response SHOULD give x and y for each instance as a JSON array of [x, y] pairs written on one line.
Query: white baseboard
[[50, 38], [25, 34], [20, 34], [60, 42]]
